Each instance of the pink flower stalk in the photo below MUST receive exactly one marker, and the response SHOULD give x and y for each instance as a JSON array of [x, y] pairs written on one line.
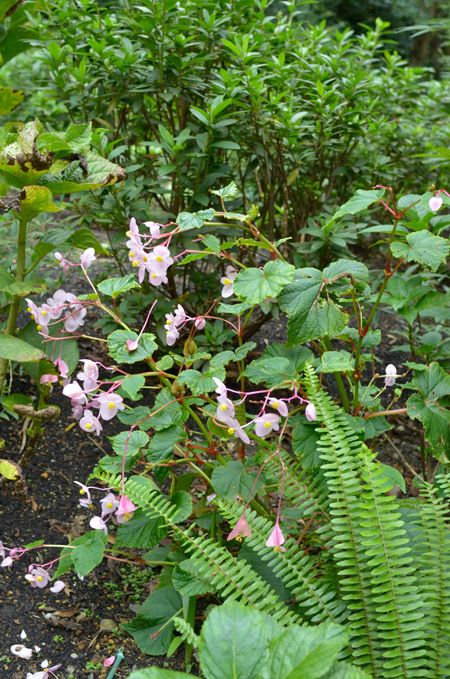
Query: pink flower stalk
[[84, 490], [109, 405], [98, 524], [228, 280], [159, 260], [276, 538], [391, 374], [310, 412], [241, 530], [21, 651], [125, 510], [110, 661], [57, 586], [91, 423], [435, 203], [64, 263], [265, 424], [38, 577], [87, 258], [75, 393], [89, 376], [109, 504], [279, 405]]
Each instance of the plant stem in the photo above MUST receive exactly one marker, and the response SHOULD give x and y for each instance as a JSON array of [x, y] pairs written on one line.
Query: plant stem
[[15, 303], [339, 381]]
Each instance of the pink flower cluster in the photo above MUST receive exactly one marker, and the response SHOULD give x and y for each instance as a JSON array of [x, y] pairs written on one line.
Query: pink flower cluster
[[51, 312], [123, 507], [82, 399], [148, 258], [86, 260]]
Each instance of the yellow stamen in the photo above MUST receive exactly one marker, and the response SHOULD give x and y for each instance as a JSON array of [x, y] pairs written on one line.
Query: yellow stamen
[[29, 309], [230, 431], [128, 233], [239, 538], [135, 262], [227, 281], [109, 505], [39, 577], [159, 258], [267, 425], [131, 254], [39, 327], [33, 317], [111, 405], [82, 491], [88, 425], [44, 313], [153, 275], [169, 321], [275, 404], [223, 407], [127, 516], [276, 549]]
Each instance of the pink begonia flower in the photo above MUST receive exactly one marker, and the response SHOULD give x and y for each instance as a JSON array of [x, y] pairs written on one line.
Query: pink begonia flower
[[62, 368], [22, 651], [266, 423], [435, 203], [75, 393], [159, 260], [109, 661], [225, 409], [235, 429], [125, 510], [7, 561], [391, 374], [157, 280], [242, 529], [109, 504], [44, 314], [154, 228], [57, 586], [31, 308], [171, 337], [77, 411], [48, 379], [84, 491], [276, 538], [310, 412], [109, 405], [74, 319], [132, 345], [199, 322], [56, 303], [227, 281], [90, 423], [88, 257], [89, 375], [38, 577], [98, 524], [179, 315], [46, 673], [62, 262], [279, 405], [221, 388]]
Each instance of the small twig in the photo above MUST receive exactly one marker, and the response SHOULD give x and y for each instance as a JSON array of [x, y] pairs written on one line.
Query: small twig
[[411, 469]]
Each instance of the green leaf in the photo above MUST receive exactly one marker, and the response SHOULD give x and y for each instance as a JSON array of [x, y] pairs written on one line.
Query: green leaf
[[90, 172], [76, 139], [35, 199], [233, 643], [9, 99], [67, 349], [115, 286], [89, 552], [423, 247], [131, 386], [232, 479], [186, 581], [194, 220], [133, 416], [137, 440], [310, 317], [12, 399], [393, 476], [163, 442], [305, 438], [159, 673], [347, 269], [10, 470], [297, 356], [271, 371], [168, 415], [253, 285], [360, 201], [30, 286], [432, 384], [117, 346], [84, 238], [229, 191], [196, 382], [141, 531], [155, 612], [15, 349], [336, 361]]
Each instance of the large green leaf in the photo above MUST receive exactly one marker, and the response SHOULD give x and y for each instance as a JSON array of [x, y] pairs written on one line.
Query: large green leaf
[[347, 270], [67, 349], [253, 285], [15, 349], [90, 548], [90, 172], [116, 286], [142, 531], [76, 139], [163, 442], [9, 100], [136, 440], [232, 479], [22, 288], [271, 371], [360, 201], [186, 581], [423, 247], [194, 220], [34, 200], [159, 673], [154, 615], [433, 384]]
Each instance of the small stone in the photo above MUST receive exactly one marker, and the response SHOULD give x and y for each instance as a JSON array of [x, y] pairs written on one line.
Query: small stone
[[74, 655]]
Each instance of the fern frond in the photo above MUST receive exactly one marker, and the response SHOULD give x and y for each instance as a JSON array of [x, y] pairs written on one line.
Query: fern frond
[[297, 571], [186, 631]]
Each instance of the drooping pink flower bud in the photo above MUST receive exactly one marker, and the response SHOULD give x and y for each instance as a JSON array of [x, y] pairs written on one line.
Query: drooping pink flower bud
[[199, 322], [132, 345], [391, 374], [242, 529], [126, 510], [435, 203], [97, 523], [276, 538], [310, 412]]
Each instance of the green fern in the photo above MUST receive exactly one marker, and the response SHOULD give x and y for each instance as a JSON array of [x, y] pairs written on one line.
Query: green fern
[[186, 631]]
